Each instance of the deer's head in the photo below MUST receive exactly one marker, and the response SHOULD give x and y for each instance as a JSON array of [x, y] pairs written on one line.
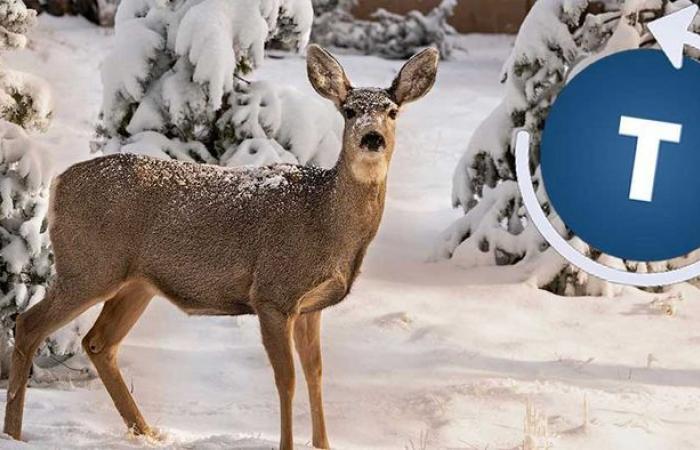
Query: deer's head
[[370, 113]]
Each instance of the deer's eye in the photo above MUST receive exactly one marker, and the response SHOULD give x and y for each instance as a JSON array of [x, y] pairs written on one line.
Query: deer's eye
[[349, 113], [393, 113]]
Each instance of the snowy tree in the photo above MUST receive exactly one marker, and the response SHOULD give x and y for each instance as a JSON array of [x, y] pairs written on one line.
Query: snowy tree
[[557, 40], [327, 14], [388, 35], [174, 85], [26, 262], [24, 98], [100, 12], [325, 6]]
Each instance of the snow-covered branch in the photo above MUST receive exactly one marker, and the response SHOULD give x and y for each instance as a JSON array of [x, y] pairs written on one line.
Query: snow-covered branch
[[171, 87]]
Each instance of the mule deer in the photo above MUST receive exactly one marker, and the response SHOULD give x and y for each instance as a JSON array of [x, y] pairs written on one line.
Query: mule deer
[[283, 242]]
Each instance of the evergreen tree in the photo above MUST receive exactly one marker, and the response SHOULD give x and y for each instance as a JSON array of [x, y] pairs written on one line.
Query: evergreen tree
[[388, 35], [557, 40], [26, 261], [174, 85], [24, 99], [326, 6], [100, 12]]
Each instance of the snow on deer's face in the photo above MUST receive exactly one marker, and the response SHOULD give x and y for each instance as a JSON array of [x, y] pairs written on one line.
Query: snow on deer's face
[[368, 140], [370, 113]]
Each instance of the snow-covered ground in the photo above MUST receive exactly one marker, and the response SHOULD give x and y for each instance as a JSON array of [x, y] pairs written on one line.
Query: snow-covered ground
[[421, 355]]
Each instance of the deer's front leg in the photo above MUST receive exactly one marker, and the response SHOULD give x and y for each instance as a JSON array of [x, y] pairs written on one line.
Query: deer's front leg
[[276, 329], [307, 337]]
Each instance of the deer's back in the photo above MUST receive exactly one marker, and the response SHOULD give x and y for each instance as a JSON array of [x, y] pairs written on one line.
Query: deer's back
[[205, 236]]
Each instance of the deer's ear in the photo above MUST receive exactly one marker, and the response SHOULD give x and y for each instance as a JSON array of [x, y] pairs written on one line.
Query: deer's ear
[[416, 77], [327, 75]]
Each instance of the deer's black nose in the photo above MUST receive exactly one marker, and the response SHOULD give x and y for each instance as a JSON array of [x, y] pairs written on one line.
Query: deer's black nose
[[373, 141]]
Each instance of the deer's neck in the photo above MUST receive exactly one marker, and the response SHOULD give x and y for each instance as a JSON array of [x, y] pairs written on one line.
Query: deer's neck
[[361, 191]]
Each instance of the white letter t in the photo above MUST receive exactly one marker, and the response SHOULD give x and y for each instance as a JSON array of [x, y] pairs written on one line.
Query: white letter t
[[649, 134]]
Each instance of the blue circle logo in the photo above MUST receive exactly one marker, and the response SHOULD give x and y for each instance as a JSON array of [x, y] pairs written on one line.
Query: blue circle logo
[[620, 156]]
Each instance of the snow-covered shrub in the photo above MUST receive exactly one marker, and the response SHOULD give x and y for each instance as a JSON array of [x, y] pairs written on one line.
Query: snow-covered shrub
[[557, 40], [100, 12], [26, 261], [24, 98], [15, 20], [173, 85], [389, 35], [327, 15], [325, 6]]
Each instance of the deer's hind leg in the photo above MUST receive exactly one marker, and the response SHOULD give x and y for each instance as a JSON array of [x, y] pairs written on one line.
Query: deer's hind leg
[[101, 344], [63, 303]]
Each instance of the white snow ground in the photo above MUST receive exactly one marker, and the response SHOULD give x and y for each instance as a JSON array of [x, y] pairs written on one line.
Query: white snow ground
[[420, 355]]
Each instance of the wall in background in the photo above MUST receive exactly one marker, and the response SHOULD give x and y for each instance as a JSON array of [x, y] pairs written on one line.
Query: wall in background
[[471, 16]]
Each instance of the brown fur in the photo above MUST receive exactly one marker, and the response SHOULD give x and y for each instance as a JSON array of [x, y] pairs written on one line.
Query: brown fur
[[282, 242]]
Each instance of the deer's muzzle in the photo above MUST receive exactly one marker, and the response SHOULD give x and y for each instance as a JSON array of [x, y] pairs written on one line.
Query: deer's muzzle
[[373, 141]]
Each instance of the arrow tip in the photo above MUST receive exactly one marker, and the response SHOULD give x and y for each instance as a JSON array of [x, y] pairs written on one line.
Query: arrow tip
[[671, 32]]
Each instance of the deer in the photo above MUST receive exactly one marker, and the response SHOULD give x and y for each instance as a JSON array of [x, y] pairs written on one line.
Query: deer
[[282, 242]]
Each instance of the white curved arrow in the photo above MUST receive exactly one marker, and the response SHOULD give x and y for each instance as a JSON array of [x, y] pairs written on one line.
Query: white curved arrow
[[672, 34]]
